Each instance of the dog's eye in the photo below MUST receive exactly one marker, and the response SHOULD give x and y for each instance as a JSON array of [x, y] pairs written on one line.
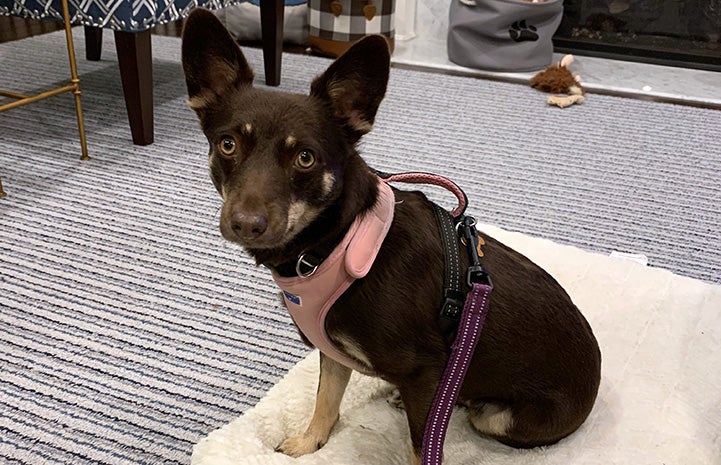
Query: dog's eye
[[227, 146], [305, 159]]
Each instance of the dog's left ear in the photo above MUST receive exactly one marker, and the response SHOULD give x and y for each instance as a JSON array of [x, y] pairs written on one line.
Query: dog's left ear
[[356, 82], [212, 61]]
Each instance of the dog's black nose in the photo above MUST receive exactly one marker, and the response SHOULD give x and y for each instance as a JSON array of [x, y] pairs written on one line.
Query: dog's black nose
[[248, 226]]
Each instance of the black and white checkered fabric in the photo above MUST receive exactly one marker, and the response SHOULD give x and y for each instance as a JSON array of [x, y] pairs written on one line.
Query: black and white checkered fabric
[[351, 24]]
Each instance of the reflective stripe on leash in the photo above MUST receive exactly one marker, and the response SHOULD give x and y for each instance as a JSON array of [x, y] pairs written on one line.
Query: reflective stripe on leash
[[469, 332]]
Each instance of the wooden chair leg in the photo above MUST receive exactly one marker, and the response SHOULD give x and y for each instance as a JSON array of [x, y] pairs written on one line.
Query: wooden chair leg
[[271, 25], [93, 43], [136, 72]]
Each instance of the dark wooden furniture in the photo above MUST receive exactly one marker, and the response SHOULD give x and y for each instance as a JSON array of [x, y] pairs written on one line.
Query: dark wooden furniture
[[136, 70]]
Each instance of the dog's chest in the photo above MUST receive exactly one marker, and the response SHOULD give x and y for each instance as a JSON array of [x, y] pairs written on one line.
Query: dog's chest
[[309, 298]]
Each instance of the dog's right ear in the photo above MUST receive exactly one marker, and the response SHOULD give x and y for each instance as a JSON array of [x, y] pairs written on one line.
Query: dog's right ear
[[212, 61]]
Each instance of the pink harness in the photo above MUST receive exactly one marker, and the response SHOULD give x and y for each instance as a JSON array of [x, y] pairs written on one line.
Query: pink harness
[[309, 298]]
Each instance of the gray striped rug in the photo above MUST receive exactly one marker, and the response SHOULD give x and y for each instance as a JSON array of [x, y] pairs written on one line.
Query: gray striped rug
[[130, 329]]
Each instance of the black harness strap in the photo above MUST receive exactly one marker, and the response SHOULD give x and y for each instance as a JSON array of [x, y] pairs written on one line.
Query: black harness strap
[[453, 295]]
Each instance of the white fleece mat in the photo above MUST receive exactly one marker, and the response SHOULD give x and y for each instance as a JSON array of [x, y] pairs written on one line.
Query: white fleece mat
[[659, 401]]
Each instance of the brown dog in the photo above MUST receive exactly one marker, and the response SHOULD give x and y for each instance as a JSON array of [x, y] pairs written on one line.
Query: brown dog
[[291, 180]]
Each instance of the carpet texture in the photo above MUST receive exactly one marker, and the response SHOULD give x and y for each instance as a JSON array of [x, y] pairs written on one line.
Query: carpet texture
[[130, 329], [658, 401]]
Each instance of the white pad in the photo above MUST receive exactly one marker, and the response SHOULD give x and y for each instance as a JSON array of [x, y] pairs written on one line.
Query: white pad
[[659, 401]]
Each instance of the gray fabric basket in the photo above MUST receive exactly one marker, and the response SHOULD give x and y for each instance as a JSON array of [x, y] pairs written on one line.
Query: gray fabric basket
[[503, 35]]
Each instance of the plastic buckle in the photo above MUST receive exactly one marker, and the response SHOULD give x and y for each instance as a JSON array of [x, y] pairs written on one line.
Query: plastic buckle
[[451, 310], [453, 302]]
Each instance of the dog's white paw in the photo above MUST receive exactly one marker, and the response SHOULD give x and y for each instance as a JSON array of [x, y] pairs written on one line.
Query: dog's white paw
[[303, 444]]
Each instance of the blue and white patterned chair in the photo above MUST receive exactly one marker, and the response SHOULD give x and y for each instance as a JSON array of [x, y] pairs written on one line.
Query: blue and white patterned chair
[[131, 21]]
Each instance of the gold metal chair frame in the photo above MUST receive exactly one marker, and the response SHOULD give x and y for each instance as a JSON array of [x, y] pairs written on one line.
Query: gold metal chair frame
[[74, 87]]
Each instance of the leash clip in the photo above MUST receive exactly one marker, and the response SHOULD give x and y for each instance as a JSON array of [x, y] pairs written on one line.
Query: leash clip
[[478, 275], [469, 236]]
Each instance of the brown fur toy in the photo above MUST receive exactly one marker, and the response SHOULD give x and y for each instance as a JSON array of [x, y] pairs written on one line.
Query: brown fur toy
[[558, 79]]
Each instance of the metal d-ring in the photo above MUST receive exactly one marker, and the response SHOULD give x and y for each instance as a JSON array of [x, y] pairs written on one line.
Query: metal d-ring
[[458, 226], [302, 261]]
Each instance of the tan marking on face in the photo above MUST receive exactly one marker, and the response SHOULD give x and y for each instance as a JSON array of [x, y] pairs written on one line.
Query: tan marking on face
[[328, 183], [247, 129], [290, 142], [300, 215], [295, 212]]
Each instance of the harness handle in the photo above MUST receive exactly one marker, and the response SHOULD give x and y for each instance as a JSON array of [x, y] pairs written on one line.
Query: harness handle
[[433, 179]]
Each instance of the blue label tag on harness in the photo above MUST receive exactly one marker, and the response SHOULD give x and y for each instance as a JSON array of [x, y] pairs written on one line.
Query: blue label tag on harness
[[293, 298]]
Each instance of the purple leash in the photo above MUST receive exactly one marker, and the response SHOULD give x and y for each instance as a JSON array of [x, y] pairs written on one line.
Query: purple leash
[[472, 318], [469, 331]]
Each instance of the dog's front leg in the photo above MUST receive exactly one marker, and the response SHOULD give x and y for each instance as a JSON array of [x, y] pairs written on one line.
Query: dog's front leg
[[417, 395], [331, 386]]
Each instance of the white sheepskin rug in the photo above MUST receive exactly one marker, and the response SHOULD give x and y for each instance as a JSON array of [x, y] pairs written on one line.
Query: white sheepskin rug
[[659, 401]]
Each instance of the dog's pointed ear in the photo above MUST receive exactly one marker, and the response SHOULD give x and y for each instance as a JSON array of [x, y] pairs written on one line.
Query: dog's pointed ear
[[355, 83], [212, 61]]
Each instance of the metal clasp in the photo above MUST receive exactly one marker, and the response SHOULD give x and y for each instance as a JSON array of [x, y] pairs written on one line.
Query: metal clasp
[[469, 237], [302, 261]]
